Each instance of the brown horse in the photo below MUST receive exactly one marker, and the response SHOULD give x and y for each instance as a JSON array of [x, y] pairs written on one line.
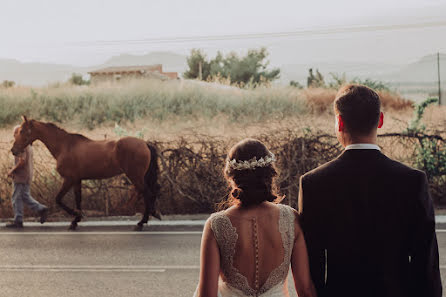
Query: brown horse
[[79, 157]]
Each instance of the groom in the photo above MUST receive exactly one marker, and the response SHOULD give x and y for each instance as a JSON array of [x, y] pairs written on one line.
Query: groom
[[368, 220]]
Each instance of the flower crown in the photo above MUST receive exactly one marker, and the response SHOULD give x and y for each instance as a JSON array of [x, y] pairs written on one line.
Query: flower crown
[[252, 163]]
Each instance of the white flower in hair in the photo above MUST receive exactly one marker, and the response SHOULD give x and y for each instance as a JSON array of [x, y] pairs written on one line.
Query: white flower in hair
[[252, 163]]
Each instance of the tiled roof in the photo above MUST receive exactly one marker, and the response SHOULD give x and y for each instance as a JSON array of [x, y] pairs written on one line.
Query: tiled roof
[[121, 69]]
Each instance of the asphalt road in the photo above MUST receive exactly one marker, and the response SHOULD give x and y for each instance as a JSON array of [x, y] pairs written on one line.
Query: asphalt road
[[99, 264]]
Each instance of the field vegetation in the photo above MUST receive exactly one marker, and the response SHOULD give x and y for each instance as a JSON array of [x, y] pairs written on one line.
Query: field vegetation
[[92, 106], [193, 124]]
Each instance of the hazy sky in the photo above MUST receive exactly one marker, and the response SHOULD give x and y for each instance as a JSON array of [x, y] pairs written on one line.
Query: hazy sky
[[85, 32]]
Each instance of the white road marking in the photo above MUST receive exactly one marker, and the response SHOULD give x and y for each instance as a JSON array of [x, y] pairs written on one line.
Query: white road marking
[[440, 219], [49, 232], [80, 270], [94, 268], [101, 268], [104, 233], [118, 223]]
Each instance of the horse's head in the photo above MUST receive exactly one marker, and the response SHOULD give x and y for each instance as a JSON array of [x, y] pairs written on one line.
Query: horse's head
[[24, 135]]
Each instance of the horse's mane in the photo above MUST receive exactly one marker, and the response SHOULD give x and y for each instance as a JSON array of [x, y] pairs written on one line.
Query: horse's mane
[[75, 135]]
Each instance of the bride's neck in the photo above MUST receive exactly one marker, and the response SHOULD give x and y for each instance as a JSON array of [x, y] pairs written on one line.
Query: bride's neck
[[252, 206]]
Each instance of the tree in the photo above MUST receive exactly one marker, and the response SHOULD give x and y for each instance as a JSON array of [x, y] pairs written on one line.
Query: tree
[[315, 81], [373, 84], [217, 66], [251, 68], [341, 79], [338, 80], [193, 61], [8, 84], [76, 79], [296, 84]]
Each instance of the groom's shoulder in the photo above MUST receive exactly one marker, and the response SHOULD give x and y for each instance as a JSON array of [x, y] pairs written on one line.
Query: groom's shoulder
[[322, 170], [389, 166], [395, 167]]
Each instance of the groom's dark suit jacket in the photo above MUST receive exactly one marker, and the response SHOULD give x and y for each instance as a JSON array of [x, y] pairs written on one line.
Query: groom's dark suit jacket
[[369, 226]]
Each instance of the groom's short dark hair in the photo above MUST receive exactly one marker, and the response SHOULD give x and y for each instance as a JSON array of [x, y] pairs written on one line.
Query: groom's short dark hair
[[360, 107]]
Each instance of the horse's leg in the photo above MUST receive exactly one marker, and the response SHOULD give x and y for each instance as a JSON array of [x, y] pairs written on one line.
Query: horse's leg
[[140, 191], [138, 183], [149, 204], [78, 212], [147, 209], [135, 161], [63, 190], [151, 186]]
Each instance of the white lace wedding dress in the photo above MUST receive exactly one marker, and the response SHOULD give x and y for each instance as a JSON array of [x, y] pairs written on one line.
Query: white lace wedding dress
[[263, 250]]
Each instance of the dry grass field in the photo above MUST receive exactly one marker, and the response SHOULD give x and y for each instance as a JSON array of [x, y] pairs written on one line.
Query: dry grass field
[[193, 125]]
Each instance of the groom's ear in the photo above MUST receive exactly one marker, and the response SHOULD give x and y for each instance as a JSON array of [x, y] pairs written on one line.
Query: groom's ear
[[381, 120], [340, 123]]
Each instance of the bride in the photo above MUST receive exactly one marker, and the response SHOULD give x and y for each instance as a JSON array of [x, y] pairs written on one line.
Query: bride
[[246, 250]]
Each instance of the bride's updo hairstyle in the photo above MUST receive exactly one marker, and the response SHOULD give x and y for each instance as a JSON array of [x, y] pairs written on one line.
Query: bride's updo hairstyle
[[250, 172]]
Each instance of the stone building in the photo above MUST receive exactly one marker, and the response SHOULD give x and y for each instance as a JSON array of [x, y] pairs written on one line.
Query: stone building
[[116, 73]]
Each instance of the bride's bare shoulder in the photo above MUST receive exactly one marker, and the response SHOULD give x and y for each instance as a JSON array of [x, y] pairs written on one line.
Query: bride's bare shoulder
[[234, 210], [263, 210]]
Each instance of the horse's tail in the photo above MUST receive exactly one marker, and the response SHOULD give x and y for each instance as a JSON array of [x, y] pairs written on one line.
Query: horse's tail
[[151, 186]]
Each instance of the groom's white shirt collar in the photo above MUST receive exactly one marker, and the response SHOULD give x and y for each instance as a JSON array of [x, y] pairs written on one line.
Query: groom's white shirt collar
[[362, 146]]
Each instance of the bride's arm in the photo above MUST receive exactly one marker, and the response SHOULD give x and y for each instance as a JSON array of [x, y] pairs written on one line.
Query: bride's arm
[[209, 264], [300, 266]]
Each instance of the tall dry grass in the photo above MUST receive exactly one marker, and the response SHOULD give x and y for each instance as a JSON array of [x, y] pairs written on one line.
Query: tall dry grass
[[92, 106], [108, 103], [320, 100]]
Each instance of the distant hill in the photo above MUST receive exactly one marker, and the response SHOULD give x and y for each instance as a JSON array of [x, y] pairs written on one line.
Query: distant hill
[[423, 70], [36, 74], [299, 72]]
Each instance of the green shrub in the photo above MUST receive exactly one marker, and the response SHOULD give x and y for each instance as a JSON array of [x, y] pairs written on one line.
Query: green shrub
[[7, 84], [77, 79], [247, 70], [431, 150]]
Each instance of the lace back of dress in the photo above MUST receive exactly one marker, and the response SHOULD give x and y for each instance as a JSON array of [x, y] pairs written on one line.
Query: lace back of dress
[[255, 253]]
